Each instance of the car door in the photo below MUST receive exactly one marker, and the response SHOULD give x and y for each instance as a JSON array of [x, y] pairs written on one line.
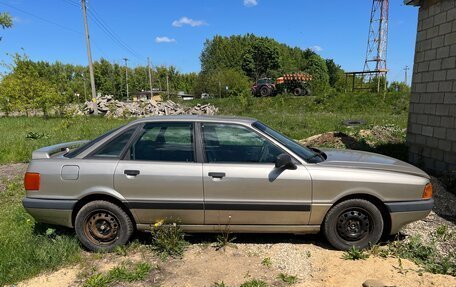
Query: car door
[[241, 183], [159, 175]]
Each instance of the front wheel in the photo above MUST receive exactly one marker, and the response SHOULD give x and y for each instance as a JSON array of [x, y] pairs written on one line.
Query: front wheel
[[354, 222], [102, 225]]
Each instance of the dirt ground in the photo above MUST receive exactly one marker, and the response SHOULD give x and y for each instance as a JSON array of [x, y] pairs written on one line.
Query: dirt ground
[[307, 257]]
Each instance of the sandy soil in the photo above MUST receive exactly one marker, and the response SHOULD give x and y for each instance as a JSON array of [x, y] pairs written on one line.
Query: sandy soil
[[307, 257], [203, 266]]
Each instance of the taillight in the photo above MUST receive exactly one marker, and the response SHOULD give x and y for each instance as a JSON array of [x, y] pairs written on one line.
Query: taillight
[[32, 181], [427, 193]]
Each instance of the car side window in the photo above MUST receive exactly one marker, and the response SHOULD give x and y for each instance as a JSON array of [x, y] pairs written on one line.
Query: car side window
[[229, 143], [113, 148], [171, 142]]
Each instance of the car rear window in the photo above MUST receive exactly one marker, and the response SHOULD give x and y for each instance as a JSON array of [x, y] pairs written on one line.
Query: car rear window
[[84, 147]]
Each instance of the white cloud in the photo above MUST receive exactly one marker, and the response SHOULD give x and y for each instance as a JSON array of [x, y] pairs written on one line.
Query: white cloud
[[187, 21], [164, 39], [316, 48], [250, 3]]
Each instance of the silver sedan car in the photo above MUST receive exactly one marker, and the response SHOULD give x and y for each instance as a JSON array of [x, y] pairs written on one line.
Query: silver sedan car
[[209, 173]]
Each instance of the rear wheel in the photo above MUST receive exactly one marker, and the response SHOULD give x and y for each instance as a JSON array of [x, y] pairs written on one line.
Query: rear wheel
[[265, 91], [297, 91], [102, 225], [354, 222]]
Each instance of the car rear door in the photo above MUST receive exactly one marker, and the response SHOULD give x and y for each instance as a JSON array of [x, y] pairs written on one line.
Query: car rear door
[[241, 183], [160, 176]]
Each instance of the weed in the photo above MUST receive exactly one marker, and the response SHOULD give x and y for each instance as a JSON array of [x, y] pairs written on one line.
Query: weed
[[119, 274], [289, 279], [425, 255], [377, 250], [254, 283], [224, 239], [267, 262], [168, 240], [121, 250], [97, 280], [355, 254], [219, 284]]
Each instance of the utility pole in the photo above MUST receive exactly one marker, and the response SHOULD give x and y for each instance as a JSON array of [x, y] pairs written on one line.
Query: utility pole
[[126, 74], [150, 78], [406, 76], [167, 83], [89, 55]]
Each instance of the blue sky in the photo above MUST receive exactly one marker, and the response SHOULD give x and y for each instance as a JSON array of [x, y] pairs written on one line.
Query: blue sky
[[173, 32]]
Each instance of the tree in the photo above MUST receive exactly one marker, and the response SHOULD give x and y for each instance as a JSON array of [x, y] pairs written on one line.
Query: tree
[[399, 87], [316, 66], [24, 90], [215, 83], [5, 21], [336, 75], [261, 57]]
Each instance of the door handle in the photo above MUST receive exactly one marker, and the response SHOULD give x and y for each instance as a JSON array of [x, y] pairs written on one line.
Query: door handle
[[217, 174], [131, 172]]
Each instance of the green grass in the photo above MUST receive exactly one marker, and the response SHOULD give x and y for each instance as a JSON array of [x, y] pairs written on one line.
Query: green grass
[[27, 248], [301, 117], [22, 135], [297, 117], [123, 273]]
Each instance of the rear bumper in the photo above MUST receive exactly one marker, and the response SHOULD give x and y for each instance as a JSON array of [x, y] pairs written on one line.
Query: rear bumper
[[406, 212], [51, 211]]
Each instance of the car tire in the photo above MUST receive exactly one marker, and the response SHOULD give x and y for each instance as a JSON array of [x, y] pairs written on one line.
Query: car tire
[[102, 225], [354, 222]]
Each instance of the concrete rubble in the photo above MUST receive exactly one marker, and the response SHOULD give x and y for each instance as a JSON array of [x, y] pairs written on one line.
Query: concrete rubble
[[110, 107]]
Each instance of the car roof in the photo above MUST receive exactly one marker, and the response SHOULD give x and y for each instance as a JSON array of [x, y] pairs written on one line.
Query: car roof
[[196, 118]]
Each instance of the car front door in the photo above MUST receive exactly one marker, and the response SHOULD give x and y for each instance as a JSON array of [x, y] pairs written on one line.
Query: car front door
[[159, 175], [241, 183]]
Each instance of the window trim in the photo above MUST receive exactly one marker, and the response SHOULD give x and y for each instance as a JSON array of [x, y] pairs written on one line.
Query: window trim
[[92, 155], [250, 128], [137, 134]]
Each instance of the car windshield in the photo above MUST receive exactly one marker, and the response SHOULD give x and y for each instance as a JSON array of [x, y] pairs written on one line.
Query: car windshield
[[82, 148], [303, 152]]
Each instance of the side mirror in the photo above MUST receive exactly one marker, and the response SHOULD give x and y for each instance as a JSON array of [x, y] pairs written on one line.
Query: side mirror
[[284, 161]]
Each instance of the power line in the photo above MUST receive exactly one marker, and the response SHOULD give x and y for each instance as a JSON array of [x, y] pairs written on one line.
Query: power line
[[40, 18], [52, 23], [111, 34]]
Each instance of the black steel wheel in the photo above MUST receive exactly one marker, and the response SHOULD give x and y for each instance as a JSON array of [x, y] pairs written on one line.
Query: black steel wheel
[[354, 222], [102, 225]]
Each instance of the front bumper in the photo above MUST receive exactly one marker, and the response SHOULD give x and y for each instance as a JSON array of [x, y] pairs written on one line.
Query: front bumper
[[51, 211], [406, 212]]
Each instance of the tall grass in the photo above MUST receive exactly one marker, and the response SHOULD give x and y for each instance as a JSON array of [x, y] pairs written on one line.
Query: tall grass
[[301, 117], [22, 135], [27, 248]]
